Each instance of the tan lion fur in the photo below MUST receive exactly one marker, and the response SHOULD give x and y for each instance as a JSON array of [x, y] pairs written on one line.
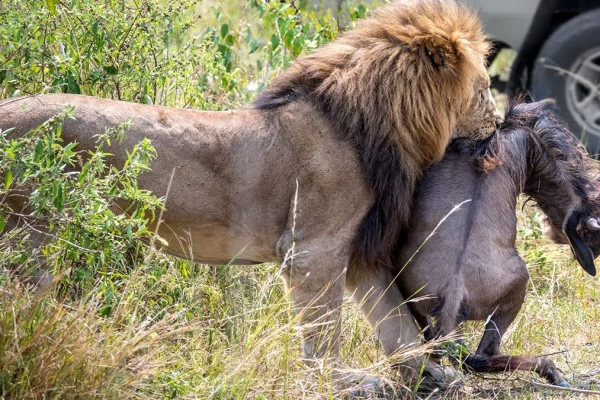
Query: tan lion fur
[[321, 170], [396, 86]]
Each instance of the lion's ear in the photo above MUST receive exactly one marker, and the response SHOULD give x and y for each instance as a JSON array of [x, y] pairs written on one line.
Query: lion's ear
[[439, 50]]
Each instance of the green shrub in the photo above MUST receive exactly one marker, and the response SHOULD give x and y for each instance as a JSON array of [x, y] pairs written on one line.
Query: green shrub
[[170, 53]]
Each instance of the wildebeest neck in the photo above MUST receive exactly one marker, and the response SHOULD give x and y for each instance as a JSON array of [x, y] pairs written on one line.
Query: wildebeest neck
[[543, 160]]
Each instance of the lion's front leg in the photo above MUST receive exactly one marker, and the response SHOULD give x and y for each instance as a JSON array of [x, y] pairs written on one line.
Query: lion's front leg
[[378, 297]]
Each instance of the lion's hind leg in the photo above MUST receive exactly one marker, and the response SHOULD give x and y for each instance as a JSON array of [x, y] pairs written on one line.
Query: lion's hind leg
[[314, 272], [378, 297], [315, 280]]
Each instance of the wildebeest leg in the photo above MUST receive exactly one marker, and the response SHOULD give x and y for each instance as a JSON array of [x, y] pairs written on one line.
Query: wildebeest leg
[[424, 322], [382, 304], [426, 325], [504, 315], [487, 358], [543, 366], [493, 332]]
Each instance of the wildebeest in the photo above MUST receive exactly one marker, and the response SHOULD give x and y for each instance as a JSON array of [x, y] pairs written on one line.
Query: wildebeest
[[469, 268]]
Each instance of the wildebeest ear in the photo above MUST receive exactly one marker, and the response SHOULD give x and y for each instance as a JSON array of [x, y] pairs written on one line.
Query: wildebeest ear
[[582, 252], [441, 51]]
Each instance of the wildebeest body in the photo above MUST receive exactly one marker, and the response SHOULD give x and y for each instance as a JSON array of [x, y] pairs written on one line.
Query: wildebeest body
[[469, 268], [463, 276]]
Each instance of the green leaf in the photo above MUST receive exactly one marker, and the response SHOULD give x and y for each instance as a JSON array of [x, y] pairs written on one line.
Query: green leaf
[[110, 69], [283, 24], [297, 46], [112, 189], [73, 86], [70, 147], [224, 30], [287, 38], [58, 196], [274, 41], [51, 6], [39, 148], [254, 46], [105, 311], [2, 222], [146, 99], [84, 172], [361, 11], [6, 131], [8, 179]]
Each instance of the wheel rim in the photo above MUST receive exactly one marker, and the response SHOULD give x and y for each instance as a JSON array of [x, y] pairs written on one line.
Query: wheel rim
[[583, 91]]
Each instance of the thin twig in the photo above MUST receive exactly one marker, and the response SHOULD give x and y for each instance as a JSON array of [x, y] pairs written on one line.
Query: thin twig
[[160, 220], [24, 42], [58, 238], [44, 219], [7, 102], [554, 353], [554, 387]]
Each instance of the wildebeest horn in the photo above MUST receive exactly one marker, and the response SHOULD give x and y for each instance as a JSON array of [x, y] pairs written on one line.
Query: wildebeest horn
[[592, 223], [581, 251]]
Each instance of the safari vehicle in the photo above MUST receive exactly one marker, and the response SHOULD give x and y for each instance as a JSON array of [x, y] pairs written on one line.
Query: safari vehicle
[[557, 44]]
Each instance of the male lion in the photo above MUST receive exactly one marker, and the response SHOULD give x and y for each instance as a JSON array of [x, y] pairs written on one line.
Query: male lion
[[322, 170]]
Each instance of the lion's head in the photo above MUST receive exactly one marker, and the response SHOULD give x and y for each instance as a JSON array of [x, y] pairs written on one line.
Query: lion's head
[[397, 85], [481, 116]]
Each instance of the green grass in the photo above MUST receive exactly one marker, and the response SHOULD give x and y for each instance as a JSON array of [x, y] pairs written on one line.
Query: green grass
[[234, 336]]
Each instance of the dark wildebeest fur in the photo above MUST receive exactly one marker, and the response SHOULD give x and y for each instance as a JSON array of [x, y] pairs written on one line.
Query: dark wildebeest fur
[[470, 268]]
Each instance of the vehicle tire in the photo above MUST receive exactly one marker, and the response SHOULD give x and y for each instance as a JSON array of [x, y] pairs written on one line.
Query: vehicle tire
[[568, 70]]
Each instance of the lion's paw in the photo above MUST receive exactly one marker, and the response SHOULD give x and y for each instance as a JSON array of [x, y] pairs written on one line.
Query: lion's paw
[[361, 386], [431, 378], [438, 378]]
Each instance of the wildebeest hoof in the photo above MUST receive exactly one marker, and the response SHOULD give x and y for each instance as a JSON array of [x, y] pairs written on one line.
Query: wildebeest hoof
[[555, 376], [439, 378], [360, 386]]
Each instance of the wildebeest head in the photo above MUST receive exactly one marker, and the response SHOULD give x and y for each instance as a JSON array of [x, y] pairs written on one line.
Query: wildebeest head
[[581, 230], [559, 177], [583, 234]]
